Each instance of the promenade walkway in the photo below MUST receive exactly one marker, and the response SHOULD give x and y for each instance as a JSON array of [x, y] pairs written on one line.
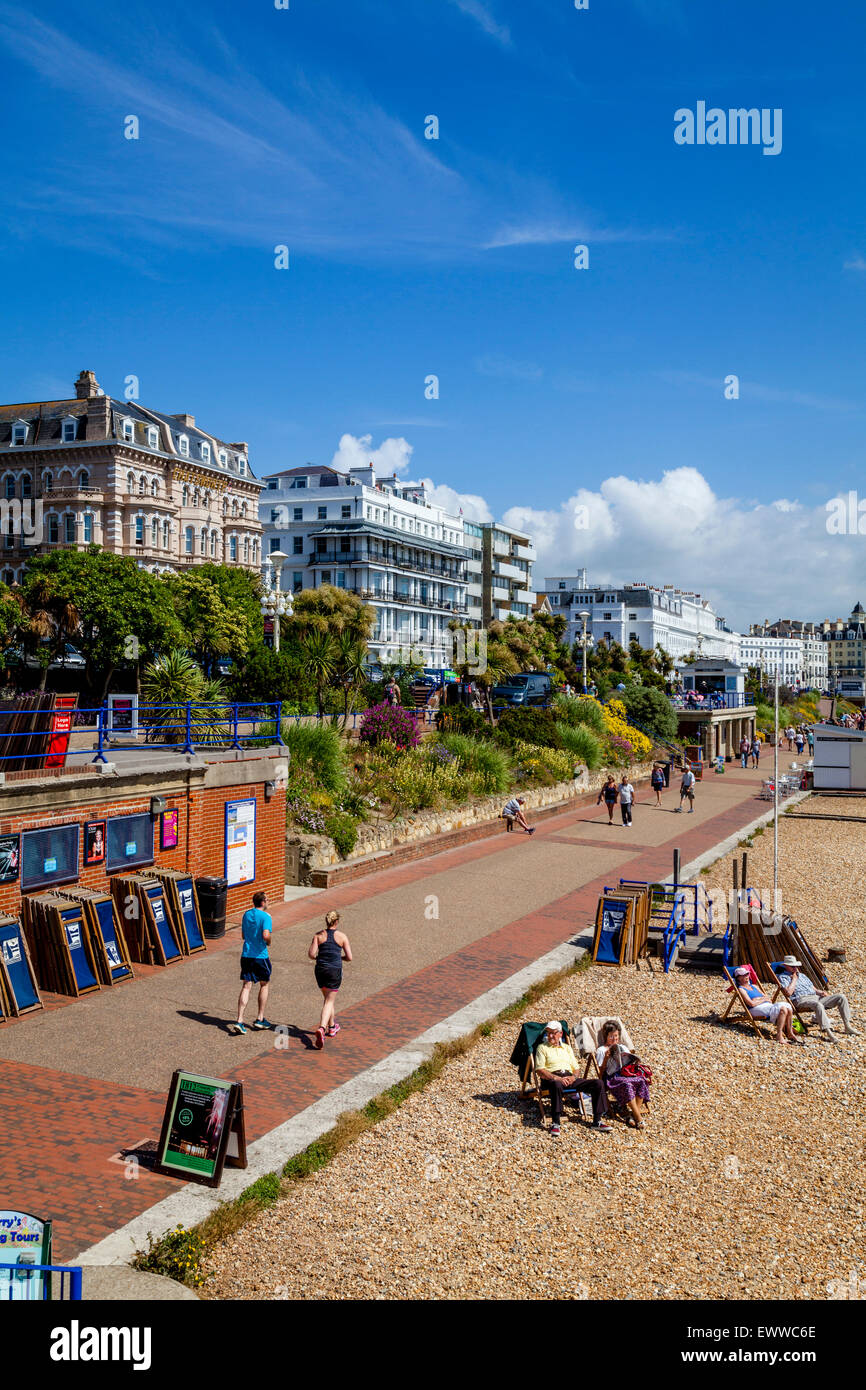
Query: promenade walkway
[[87, 1078]]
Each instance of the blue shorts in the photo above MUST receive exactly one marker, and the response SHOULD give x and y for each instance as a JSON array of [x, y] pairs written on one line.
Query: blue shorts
[[255, 970]]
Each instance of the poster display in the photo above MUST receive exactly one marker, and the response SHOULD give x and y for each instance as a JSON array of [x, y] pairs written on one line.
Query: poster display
[[25, 1240], [240, 842], [94, 842], [61, 728], [10, 858], [122, 715], [168, 829], [200, 1114]]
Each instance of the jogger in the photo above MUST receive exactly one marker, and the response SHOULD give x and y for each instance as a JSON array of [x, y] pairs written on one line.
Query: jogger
[[329, 948]]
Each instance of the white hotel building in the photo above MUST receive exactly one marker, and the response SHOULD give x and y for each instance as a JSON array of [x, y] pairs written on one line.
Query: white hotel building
[[678, 620], [799, 660]]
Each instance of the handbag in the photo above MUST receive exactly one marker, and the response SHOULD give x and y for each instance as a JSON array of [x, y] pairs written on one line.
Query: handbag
[[637, 1069]]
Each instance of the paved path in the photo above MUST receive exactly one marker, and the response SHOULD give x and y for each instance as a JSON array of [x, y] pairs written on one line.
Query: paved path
[[87, 1078]]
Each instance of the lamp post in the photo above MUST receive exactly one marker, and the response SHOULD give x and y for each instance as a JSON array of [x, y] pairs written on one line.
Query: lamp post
[[585, 641], [275, 604]]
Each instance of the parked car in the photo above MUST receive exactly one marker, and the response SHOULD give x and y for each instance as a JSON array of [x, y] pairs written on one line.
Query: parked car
[[529, 688]]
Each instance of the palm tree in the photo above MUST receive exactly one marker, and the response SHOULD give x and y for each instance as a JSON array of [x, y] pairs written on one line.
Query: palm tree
[[52, 620], [350, 655], [320, 657]]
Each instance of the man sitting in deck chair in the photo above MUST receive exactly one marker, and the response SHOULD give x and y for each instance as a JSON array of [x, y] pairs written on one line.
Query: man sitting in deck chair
[[760, 1007], [557, 1070], [805, 995]]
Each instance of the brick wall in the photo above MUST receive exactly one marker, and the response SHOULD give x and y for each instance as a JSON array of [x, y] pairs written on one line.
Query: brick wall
[[201, 834]]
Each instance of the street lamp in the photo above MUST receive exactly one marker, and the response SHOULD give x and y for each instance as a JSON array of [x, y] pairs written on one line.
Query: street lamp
[[275, 604], [585, 641]]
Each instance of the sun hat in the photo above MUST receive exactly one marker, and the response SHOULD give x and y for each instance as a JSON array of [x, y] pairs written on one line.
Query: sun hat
[[554, 1026], [741, 970], [791, 960]]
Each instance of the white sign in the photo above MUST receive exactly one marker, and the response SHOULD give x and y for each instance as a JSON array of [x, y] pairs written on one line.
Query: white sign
[[240, 860]]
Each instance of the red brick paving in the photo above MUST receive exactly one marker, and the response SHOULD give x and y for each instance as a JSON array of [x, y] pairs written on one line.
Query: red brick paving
[[61, 1129]]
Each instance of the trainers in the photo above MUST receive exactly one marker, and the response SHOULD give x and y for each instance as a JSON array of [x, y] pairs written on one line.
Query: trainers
[[333, 1030], [320, 1037], [554, 1129], [602, 1128], [239, 1028], [262, 1023], [532, 830]]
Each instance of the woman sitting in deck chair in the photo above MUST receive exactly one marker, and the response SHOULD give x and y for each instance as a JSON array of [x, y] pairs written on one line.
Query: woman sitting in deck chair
[[625, 1076], [556, 1068], [763, 1009]]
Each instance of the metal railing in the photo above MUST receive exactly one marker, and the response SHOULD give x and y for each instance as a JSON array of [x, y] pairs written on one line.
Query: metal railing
[[714, 699], [40, 1283]]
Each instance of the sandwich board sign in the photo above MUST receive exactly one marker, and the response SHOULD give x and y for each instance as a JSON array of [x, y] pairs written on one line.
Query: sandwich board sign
[[202, 1129], [25, 1240]]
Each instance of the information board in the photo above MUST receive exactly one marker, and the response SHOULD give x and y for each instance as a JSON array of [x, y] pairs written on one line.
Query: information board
[[24, 1240], [240, 838], [200, 1114]]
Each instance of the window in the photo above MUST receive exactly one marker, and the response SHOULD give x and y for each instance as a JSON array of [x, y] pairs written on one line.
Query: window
[[196, 498], [326, 576], [234, 506], [154, 487], [607, 617], [274, 543], [87, 528], [222, 458], [297, 581], [346, 510], [128, 841], [8, 577], [632, 617], [204, 450], [225, 506], [185, 496], [130, 482], [67, 433], [297, 513], [255, 552], [165, 535], [243, 509], [9, 537], [213, 543], [246, 550], [127, 430], [26, 485], [53, 529], [83, 478], [139, 530], [299, 482], [183, 445], [142, 486], [322, 513], [345, 544], [154, 533], [233, 548], [152, 437], [203, 540], [273, 484], [69, 528], [632, 637], [242, 467], [10, 485], [49, 856], [47, 482], [187, 540], [19, 434], [297, 545]]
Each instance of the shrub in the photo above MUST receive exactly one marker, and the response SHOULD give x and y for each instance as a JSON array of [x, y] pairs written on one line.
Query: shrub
[[317, 750], [529, 726], [487, 761], [387, 724], [617, 724], [582, 743], [460, 719], [177, 1255], [579, 710], [651, 708], [555, 760], [620, 750], [343, 830]]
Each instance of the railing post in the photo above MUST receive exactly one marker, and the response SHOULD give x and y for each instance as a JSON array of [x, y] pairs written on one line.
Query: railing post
[[279, 705], [101, 716], [187, 747], [235, 743]]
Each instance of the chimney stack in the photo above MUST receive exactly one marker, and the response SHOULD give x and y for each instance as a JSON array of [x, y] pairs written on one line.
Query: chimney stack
[[187, 420], [86, 387]]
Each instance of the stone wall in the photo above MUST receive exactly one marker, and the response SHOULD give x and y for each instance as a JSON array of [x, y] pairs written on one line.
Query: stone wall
[[306, 853]]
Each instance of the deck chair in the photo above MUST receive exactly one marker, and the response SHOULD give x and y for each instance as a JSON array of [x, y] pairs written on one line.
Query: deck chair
[[737, 997], [776, 966], [590, 1028], [523, 1057]]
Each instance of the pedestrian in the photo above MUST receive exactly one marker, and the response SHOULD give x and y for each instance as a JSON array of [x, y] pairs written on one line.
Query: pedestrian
[[789, 735], [801, 742], [657, 779], [392, 693], [329, 948], [755, 751], [609, 794], [687, 789], [810, 739], [626, 799], [255, 961], [744, 751], [513, 811]]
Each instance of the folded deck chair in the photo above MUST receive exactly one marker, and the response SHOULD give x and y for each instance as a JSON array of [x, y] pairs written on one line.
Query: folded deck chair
[[523, 1057], [737, 997]]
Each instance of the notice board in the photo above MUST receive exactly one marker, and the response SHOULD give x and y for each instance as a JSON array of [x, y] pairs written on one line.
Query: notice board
[[240, 841], [202, 1114]]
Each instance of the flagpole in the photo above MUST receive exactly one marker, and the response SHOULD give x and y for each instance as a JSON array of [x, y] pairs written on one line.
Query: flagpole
[[776, 796]]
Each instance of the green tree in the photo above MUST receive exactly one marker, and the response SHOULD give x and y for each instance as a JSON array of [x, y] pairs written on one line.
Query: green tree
[[651, 709], [218, 608]]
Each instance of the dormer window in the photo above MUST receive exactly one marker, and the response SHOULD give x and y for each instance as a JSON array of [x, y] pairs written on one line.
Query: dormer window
[[68, 431], [152, 437], [183, 445], [19, 432], [242, 467], [128, 430], [205, 453], [223, 458]]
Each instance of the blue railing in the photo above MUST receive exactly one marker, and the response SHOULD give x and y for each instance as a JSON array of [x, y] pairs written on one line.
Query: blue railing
[[33, 1283], [716, 699]]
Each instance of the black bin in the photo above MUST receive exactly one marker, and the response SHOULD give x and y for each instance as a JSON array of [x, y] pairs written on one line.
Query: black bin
[[212, 894], [667, 769]]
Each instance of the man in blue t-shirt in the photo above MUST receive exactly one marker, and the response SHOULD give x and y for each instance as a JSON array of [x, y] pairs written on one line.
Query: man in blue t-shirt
[[255, 960]]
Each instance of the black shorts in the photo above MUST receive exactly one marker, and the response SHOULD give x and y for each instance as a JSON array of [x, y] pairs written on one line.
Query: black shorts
[[255, 971], [329, 979]]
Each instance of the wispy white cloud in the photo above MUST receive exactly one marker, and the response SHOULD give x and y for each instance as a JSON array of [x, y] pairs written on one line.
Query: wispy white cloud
[[547, 233], [753, 390], [496, 364], [483, 15], [856, 262]]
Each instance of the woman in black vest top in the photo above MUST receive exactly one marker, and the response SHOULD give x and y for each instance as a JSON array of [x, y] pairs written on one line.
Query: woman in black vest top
[[329, 948]]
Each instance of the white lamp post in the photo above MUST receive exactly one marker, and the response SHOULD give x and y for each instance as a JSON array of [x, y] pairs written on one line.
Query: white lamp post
[[275, 604], [585, 641]]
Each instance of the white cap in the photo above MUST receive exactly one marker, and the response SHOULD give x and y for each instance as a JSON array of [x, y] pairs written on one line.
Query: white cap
[[554, 1026]]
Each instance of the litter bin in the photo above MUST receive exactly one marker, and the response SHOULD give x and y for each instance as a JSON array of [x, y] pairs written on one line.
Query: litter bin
[[212, 894], [667, 768]]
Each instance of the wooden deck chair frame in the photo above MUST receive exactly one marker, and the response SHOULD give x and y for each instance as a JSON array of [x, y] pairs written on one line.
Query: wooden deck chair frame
[[530, 1084], [591, 1068], [737, 997], [780, 991]]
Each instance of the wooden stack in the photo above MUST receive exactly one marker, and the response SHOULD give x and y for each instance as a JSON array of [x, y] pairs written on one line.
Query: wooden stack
[[761, 937], [182, 902], [141, 908], [622, 925], [60, 944], [25, 732], [108, 943]]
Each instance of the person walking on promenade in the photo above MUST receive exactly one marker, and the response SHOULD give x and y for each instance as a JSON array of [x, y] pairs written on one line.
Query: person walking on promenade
[[255, 961], [755, 750], [657, 780], [789, 735], [800, 741], [513, 811], [626, 799], [744, 752], [329, 948], [687, 789], [609, 794], [392, 693]]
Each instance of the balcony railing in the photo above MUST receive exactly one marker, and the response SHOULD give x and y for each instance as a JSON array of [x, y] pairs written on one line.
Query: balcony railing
[[361, 557], [714, 699]]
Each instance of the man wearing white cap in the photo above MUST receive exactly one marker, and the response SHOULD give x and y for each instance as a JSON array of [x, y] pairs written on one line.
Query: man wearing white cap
[[557, 1068], [807, 996]]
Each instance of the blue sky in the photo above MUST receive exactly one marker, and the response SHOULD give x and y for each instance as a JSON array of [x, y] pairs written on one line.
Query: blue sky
[[454, 257]]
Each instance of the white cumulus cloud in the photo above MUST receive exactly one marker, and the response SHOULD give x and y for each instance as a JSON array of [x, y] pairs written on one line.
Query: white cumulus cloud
[[357, 451]]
